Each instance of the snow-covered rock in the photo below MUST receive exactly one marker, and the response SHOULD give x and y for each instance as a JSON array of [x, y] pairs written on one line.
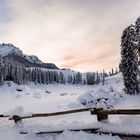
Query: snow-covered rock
[[19, 110], [87, 99], [100, 98]]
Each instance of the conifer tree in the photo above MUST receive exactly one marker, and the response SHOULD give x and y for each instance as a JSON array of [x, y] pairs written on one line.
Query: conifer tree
[[97, 78], [129, 60], [137, 27], [1, 71], [103, 78]]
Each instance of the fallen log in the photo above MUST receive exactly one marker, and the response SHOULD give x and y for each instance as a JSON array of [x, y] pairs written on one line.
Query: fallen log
[[60, 131], [74, 130], [94, 131], [89, 130], [2, 116]]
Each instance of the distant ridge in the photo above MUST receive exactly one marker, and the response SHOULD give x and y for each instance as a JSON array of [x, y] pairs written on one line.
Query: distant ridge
[[10, 52]]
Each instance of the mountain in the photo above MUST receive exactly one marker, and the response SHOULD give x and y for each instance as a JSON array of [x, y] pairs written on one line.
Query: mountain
[[13, 53]]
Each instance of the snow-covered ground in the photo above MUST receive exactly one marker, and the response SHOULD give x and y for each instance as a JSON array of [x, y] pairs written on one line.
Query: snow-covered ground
[[51, 98]]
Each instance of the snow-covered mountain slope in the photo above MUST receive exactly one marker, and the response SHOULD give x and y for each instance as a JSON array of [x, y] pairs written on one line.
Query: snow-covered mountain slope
[[6, 49], [27, 99], [11, 52]]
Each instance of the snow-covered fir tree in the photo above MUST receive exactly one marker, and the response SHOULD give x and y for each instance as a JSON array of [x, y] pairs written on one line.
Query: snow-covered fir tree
[[129, 59], [137, 27], [1, 71], [112, 72], [103, 77], [98, 79]]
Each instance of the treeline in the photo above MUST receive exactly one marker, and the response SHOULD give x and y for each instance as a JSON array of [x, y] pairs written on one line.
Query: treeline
[[11, 71]]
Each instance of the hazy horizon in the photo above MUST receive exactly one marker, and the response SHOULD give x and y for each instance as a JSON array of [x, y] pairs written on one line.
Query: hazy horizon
[[76, 34]]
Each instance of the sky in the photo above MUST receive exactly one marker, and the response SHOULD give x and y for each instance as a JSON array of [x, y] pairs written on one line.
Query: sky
[[82, 35]]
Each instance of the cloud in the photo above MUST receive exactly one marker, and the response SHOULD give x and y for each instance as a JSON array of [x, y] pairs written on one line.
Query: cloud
[[81, 35], [92, 59]]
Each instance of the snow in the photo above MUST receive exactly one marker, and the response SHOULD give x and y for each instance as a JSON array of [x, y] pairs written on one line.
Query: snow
[[66, 135], [100, 97], [33, 59], [55, 97], [6, 49], [84, 136]]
